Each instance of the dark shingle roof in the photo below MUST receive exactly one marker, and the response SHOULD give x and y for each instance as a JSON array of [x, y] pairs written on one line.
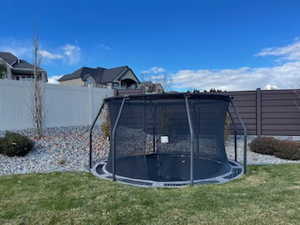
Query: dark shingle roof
[[8, 57], [15, 62], [111, 74], [101, 75], [19, 66], [22, 64], [80, 73]]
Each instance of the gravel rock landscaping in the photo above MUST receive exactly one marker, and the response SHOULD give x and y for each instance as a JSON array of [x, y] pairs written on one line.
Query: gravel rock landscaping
[[67, 149], [252, 157], [62, 149]]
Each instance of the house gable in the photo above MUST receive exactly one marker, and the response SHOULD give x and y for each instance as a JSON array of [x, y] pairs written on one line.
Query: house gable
[[18, 69], [89, 81], [128, 75]]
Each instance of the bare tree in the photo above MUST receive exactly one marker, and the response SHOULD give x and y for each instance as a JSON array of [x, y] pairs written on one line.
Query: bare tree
[[143, 77], [166, 82], [163, 79], [38, 91]]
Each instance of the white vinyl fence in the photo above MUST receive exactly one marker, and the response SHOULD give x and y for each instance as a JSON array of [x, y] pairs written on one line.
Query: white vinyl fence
[[63, 105]]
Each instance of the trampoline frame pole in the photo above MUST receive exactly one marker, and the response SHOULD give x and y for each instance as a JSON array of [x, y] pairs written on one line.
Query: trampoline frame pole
[[91, 135], [235, 146], [113, 135], [244, 133], [192, 139], [235, 136], [245, 153], [154, 127]]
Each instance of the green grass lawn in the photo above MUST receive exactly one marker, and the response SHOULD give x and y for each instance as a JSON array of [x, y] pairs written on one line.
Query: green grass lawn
[[267, 195]]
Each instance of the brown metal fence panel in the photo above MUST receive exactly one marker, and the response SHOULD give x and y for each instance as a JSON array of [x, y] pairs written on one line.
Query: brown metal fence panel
[[245, 102], [269, 112], [281, 112]]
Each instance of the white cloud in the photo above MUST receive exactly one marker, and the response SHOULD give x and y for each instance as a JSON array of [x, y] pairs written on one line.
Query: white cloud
[[270, 87], [18, 51], [285, 75], [156, 77], [68, 53], [154, 70], [53, 79], [71, 53], [18, 48], [289, 52], [48, 55]]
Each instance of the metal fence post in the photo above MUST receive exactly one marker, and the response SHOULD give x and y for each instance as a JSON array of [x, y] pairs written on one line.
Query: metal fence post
[[192, 140], [113, 135], [235, 146], [258, 112]]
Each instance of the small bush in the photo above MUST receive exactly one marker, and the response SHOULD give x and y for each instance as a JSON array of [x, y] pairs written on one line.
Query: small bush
[[14, 144], [61, 162], [284, 149], [264, 145], [288, 150]]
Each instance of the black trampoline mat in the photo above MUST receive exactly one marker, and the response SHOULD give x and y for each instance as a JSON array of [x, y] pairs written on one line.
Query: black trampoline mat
[[167, 167]]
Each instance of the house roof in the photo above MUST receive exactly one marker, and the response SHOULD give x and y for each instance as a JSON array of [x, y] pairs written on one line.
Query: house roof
[[8, 57], [16, 63], [111, 74], [19, 66], [100, 75], [23, 64]]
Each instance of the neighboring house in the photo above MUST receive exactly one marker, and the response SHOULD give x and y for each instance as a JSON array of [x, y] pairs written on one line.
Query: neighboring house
[[147, 87], [13, 68], [152, 88], [117, 78]]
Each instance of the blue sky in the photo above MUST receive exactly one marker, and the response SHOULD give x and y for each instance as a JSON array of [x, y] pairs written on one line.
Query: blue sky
[[228, 44]]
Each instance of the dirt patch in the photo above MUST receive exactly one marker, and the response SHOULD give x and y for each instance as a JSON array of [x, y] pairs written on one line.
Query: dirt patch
[[294, 187], [255, 180]]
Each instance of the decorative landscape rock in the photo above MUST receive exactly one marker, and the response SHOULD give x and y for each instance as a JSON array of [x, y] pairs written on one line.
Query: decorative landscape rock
[[61, 149], [67, 149]]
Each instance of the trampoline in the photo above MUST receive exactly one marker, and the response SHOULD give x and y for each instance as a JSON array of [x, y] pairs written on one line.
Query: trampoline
[[169, 140]]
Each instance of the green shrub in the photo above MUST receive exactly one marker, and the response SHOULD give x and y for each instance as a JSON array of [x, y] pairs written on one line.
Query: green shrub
[[288, 150], [284, 149], [14, 144], [264, 145]]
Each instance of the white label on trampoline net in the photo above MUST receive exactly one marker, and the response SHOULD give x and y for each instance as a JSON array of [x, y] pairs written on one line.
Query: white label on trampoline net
[[164, 139]]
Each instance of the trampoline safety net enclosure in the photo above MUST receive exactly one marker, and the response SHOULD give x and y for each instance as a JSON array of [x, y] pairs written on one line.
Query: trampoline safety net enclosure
[[168, 140]]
